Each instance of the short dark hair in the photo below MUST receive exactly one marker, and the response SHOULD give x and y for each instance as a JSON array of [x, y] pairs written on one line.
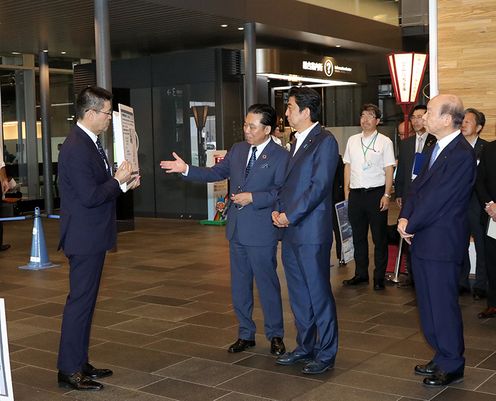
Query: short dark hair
[[307, 97], [91, 98], [373, 108], [418, 107], [455, 110], [480, 118], [269, 117]]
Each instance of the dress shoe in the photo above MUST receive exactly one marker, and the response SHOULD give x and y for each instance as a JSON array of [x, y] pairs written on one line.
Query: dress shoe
[[4, 247], [426, 370], [78, 381], [490, 311], [379, 285], [355, 280], [94, 373], [290, 358], [478, 294], [441, 378], [316, 367], [241, 345], [277, 346]]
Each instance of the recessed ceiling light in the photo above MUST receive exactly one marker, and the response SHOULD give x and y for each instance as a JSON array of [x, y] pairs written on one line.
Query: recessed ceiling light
[[241, 28], [338, 45], [45, 50], [16, 53], [224, 26], [63, 52]]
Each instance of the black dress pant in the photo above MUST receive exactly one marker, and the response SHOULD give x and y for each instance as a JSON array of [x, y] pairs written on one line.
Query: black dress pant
[[490, 249], [364, 211]]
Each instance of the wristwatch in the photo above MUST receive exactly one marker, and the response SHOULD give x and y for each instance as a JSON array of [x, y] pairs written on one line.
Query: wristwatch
[[387, 196]]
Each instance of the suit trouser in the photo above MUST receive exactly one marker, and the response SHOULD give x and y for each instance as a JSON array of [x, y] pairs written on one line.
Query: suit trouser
[[337, 234], [477, 230], [259, 263], [436, 285], [490, 248], [364, 210], [310, 295], [84, 280]]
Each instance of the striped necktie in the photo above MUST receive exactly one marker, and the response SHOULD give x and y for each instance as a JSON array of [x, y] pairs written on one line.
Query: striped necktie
[[252, 161], [102, 155]]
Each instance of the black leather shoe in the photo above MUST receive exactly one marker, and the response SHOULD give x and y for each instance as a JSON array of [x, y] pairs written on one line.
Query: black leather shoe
[[94, 373], [78, 381], [290, 358], [426, 370], [4, 247], [316, 367], [478, 294], [241, 345], [277, 346], [379, 285], [355, 280], [490, 311], [443, 378]]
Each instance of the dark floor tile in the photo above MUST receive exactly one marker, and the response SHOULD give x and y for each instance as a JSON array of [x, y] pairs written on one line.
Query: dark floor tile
[[105, 318], [37, 378], [366, 342], [146, 326], [203, 335], [17, 330], [184, 391], [270, 385], [165, 312], [42, 322], [211, 319], [46, 309], [233, 396], [389, 330], [334, 392], [120, 336], [47, 341], [27, 392], [489, 386], [154, 299], [117, 305], [37, 358], [135, 358], [454, 394]]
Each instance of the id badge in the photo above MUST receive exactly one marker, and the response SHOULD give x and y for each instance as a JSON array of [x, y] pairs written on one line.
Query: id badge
[[365, 166]]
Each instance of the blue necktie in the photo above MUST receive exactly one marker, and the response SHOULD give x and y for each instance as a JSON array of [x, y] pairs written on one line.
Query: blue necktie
[[102, 155], [252, 161], [435, 151]]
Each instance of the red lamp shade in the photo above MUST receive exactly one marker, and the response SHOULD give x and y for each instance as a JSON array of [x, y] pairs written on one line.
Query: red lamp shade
[[407, 72]]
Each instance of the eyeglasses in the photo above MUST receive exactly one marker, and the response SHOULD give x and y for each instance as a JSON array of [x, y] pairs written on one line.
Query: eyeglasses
[[368, 116], [108, 113]]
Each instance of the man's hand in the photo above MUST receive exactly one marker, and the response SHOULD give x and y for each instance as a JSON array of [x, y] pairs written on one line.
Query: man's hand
[[5, 185], [123, 173], [402, 224], [174, 166], [399, 202], [135, 182], [279, 219], [242, 199], [384, 203], [491, 210]]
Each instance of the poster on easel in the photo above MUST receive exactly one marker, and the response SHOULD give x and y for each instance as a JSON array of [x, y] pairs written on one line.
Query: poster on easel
[[6, 392], [126, 142], [347, 249]]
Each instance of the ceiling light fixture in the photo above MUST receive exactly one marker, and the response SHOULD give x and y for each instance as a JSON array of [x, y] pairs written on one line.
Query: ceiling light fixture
[[63, 52], [241, 28], [224, 26]]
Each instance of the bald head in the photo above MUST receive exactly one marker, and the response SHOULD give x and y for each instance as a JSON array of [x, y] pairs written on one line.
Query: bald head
[[444, 115]]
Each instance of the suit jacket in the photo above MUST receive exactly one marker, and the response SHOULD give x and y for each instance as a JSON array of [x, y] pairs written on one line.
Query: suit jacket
[[253, 223], [474, 200], [485, 185], [306, 196], [87, 197], [436, 206], [406, 157]]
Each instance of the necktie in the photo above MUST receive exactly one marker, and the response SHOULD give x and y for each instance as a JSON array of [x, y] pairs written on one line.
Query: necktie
[[420, 145], [434, 155], [252, 161], [102, 154]]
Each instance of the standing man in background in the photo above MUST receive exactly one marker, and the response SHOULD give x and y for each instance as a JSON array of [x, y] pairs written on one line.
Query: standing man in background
[[304, 209], [368, 179], [434, 220], [88, 229], [256, 169], [472, 125], [4, 187]]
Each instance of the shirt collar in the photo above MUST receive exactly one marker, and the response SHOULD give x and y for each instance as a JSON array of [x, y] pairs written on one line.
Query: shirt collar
[[304, 133], [447, 139], [88, 132], [261, 147]]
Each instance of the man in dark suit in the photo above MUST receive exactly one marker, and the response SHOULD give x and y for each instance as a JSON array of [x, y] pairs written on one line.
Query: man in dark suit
[[486, 191], [472, 125], [434, 219], [304, 209], [412, 149], [256, 170], [87, 230]]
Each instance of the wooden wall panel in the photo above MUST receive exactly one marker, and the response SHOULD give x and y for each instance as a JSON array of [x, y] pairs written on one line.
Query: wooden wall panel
[[467, 55]]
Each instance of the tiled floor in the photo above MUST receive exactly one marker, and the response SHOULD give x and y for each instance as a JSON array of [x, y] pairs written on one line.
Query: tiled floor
[[164, 320]]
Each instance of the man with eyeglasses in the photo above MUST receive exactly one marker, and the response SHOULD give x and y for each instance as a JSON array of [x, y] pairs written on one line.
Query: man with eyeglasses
[[256, 169], [368, 179], [88, 193]]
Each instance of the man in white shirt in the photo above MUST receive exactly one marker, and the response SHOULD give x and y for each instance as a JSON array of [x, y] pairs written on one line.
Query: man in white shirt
[[368, 178]]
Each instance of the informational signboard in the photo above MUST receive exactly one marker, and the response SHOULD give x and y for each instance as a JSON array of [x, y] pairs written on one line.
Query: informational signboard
[[215, 190], [347, 249], [6, 393], [126, 142]]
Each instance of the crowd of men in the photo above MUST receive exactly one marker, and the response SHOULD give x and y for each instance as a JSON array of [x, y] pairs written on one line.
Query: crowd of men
[[445, 187]]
